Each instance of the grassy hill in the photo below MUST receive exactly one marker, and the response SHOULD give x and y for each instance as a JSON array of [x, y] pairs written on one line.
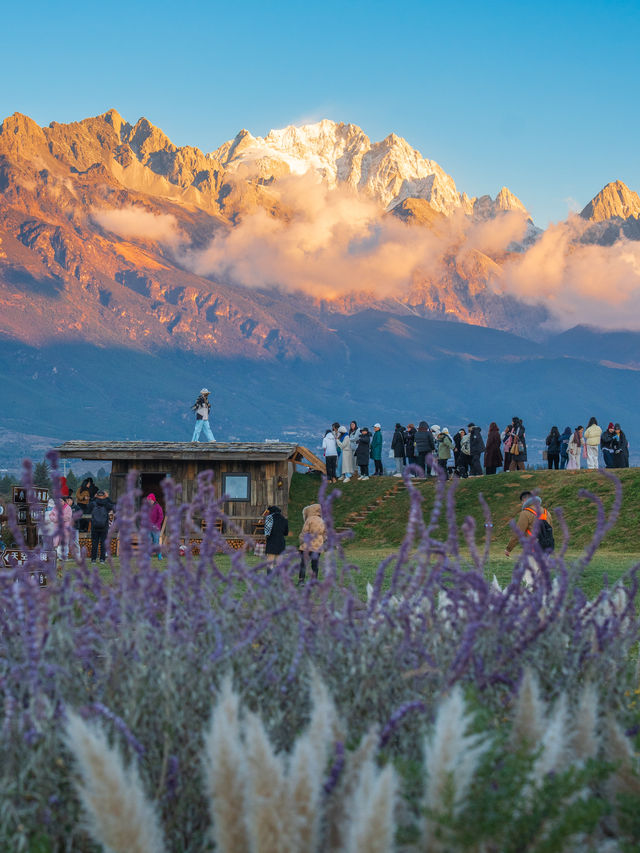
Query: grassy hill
[[384, 527]]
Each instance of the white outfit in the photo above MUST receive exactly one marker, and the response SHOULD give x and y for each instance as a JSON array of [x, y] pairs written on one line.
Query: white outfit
[[592, 438], [344, 443], [574, 451], [329, 445]]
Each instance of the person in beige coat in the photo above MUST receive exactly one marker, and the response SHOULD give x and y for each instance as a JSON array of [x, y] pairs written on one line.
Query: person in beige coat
[[313, 537], [592, 439]]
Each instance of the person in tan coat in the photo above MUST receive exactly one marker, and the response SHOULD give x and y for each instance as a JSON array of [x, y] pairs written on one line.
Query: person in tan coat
[[313, 537]]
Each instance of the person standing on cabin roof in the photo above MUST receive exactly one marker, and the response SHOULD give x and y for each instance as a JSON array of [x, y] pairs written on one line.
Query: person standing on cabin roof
[[202, 408]]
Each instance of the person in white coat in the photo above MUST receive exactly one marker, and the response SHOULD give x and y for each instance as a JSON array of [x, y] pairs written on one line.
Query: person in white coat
[[344, 443], [330, 455], [592, 439], [574, 449]]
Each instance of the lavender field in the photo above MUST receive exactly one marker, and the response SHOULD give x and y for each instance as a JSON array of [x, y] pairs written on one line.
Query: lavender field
[[200, 704]]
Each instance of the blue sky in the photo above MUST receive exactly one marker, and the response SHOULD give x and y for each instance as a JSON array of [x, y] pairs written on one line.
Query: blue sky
[[540, 97]]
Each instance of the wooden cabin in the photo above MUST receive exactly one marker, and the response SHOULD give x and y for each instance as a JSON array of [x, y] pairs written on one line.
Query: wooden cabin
[[253, 475]]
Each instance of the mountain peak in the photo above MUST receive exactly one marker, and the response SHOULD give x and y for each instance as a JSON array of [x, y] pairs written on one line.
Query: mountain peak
[[613, 200]]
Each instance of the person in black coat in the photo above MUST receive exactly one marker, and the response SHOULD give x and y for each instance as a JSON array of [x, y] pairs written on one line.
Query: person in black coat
[[425, 446], [100, 509], [362, 453], [476, 449], [397, 445], [410, 445], [620, 447], [553, 442], [276, 527]]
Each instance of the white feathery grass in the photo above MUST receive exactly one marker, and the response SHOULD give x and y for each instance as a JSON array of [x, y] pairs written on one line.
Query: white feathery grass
[[529, 715], [306, 768], [451, 755], [371, 808], [119, 816], [619, 750], [268, 819], [584, 738], [338, 817], [496, 585], [554, 742], [225, 773]]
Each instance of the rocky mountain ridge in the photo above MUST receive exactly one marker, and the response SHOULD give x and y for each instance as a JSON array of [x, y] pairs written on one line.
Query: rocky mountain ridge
[[100, 220]]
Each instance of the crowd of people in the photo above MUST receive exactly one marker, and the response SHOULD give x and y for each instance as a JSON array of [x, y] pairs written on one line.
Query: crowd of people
[[348, 452], [90, 511]]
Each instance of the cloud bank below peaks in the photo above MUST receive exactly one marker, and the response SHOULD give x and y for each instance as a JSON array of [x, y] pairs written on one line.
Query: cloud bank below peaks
[[332, 242], [579, 282]]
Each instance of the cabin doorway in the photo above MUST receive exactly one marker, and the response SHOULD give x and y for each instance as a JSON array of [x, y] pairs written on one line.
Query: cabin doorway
[[151, 484]]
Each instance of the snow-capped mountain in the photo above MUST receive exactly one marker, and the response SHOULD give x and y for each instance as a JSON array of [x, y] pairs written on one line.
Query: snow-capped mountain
[[389, 171]]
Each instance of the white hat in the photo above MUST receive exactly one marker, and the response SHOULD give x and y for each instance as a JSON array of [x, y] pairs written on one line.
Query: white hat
[[342, 429], [205, 391], [435, 428], [444, 429], [377, 426]]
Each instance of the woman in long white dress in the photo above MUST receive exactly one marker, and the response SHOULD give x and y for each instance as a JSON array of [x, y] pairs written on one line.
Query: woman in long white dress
[[574, 449]]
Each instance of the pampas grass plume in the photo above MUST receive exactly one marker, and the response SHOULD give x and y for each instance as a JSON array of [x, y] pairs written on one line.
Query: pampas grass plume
[[554, 742], [119, 816], [307, 766], [529, 716], [225, 773], [267, 813], [372, 825], [618, 750], [451, 755], [337, 810], [584, 740]]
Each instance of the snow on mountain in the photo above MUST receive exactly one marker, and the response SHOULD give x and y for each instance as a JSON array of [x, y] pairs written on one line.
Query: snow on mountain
[[389, 171]]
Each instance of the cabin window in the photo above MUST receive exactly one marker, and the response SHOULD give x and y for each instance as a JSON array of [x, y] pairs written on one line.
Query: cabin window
[[237, 487]]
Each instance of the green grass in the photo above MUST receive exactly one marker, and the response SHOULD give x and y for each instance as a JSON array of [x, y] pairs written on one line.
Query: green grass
[[385, 526], [380, 535]]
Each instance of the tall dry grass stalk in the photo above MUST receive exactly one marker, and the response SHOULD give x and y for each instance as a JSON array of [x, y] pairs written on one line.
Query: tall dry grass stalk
[[372, 806], [338, 816], [529, 713], [585, 742], [267, 810], [225, 773], [307, 765], [619, 750], [119, 816], [451, 755], [554, 743]]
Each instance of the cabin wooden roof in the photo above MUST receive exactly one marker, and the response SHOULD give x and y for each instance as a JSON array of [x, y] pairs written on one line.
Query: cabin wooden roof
[[191, 451]]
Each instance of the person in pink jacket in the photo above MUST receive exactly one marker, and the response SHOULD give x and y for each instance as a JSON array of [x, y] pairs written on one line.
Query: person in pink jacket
[[62, 538], [156, 518]]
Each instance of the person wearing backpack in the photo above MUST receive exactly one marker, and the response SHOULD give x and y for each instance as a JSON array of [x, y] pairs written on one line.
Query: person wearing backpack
[[532, 510], [99, 509]]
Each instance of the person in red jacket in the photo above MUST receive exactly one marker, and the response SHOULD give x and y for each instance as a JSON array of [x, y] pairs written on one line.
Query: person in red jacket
[[156, 518]]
